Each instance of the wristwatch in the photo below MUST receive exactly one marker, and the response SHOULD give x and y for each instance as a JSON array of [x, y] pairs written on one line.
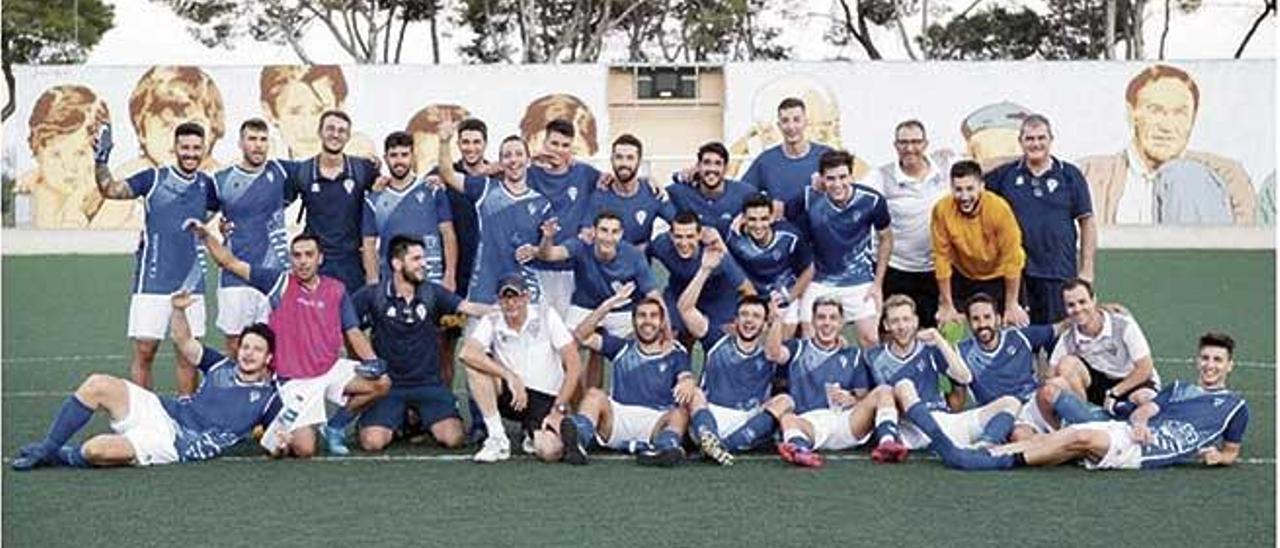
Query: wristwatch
[[562, 408]]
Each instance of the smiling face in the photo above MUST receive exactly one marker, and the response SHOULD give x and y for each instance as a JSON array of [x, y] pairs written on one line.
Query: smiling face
[[190, 150], [608, 234], [758, 223], [839, 183], [1036, 140], [559, 148], [305, 257], [334, 134], [648, 320], [711, 170], [1162, 117], [901, 323], [626, 161], [967, 192], [792, 122], [1214, 363], [827, 321], [399, 161], [471, 143], [253, 356], [413, 266], [685, 238], [984, 323], [1080, 305], [750, 321], [514, 159], [910, 144]]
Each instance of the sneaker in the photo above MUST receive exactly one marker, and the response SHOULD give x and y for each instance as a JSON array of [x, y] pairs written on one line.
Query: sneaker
[[713, 449], [574, 452], [32, 456], [335, 441], [799, 457], [29, 448], [889, 451], [493, 450], [527, 445], [669, 456]]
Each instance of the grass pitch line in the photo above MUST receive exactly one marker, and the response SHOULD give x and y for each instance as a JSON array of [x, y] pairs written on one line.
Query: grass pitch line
[[1267, 461]]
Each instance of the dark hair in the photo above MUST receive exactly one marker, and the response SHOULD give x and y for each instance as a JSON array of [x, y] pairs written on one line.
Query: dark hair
[[256, 124], [757, 200], [977, 298], [832, 159], [262, 330], [790, 102], [474, 124], [515, 138], [336, 114], [686, 217], [400, 245], [629, 139], [561, 126], [1035, 120], [752, 300], [827, 300], [305, 237], [188, 128], [966, 168], [606, 215], [397, 139], [1220, 340], [647, 301], [910, 123], [714, 147], [1156, 72], [1077, 282]]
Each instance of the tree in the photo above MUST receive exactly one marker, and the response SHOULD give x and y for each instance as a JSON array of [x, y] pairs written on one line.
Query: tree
[[50, 31], [1071, 29]]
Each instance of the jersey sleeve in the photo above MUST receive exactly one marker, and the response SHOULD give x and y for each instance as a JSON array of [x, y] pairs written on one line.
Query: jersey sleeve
[[265, 279], [369, 221], [611, 346], [483, 333], [801, 256], [558, 331], [880, 213], [292, 180], [793, 349], [1040, 336], [211, 200], [473, 186], [666, 209], [994, 181], [683, 364], [362, 302], [645, 281], [349, 318], [575, 247], [209, 358], [140, 183], [366, 172], [1081, 201], [444, 213], [732, 272], [446, 301], [1136, 342], [1235, 429]]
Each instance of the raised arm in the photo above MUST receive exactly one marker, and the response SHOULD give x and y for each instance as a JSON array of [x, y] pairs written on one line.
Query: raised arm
[[444, 162], [694, 320], [585, 333], [220, 254], [956, 369], [547, 248], [774, 350], [108, 186], [449, 244], [186, 345]]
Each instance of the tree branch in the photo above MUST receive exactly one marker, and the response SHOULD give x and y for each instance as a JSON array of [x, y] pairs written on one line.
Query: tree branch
[[1269, 9]]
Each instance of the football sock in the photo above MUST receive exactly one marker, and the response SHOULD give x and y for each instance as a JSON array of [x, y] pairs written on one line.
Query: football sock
[[796, 437], [756, 430], [73, 415], [586, 430], [340, 419], [998, 428], [703, 422], [1072, 410], [666, 439], [70, 455], [478, 424], [963, 459], [886, 424]]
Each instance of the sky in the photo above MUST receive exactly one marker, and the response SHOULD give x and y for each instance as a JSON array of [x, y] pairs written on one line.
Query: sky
[[147, 32]]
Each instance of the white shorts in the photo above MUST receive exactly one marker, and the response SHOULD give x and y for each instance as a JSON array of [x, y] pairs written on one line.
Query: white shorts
[[1122, 454], [557, 289], [148, 427], [617, 324], [149, 316], [240, 307], [729, 420], [852, 298], [1030, 415], [303, 395], [832, 430], [631, 423], [963, 429]]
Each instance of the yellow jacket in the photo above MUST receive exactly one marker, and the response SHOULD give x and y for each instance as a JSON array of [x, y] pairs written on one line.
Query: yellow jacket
[[982, 246]]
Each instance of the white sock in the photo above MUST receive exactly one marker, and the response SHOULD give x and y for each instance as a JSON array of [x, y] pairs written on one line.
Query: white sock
[[792, 433], [496, 429]]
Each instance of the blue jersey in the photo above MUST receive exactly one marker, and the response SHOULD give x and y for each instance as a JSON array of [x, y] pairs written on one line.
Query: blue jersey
[[594, 280], [169, 257], [640, 378], [1046, 208], [1190, 419], [254, 203], [334, 209], [637, 211], [570, 195], [416, 211], [719, 298], [921, 366], [733, 378], [716, 211], [1009, 369], [223, 410], [404, 330], [783, 178], [467, 228], [811, 368], [776, 264], [507, 221], [843, 236]]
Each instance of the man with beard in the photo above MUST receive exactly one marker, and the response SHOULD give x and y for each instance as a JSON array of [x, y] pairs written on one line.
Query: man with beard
[[775, 256], [168, 258], [639, 415], [637, 202], [713, 198], [785, 170], [848, 265], [729, 411], [410, 207], [680, 252], [977, 247], [332, 188], [598, 269], [831, 411], [402, 312], [251, 200]]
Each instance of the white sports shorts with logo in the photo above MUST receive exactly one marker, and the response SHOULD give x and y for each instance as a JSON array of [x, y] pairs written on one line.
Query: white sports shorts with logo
[[148, 427], [832, 429], [729, 420], [631, 423], [149, 316], [963, 429]]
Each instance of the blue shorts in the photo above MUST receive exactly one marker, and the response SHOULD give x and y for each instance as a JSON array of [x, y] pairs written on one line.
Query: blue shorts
[[434, 404]]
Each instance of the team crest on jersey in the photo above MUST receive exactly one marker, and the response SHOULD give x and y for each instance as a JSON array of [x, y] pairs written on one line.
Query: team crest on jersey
[[641, 216], [1217, 402], [573, 194], [420, 196], [533, 208], [1011, 351], [315, 187], [421, 311], [349, 185], [1052, 184], [391, 311], [1018, 181], [254, 396]]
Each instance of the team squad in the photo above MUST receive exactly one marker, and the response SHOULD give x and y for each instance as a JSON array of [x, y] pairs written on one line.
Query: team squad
[[526, 264]]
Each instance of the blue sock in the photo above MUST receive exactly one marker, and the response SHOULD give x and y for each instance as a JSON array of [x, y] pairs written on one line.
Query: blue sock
[[69, 455], [586, 430], [666, 439], [886, 429], [340, 419], [963, 459], [801, 442], [1072, 410], [998, 428], [73, 415], [703, 422], [757, 429]]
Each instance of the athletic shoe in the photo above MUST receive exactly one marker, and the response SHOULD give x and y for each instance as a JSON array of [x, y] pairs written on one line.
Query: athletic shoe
[[335, 441], [31, 457], [574, 452], [494, 450], [30, 448], [669, 456], [799, 457], [713, 449], [527, 445], [889, 451]]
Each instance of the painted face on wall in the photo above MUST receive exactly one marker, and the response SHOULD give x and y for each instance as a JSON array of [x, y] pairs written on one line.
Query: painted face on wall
[[1162, 116]]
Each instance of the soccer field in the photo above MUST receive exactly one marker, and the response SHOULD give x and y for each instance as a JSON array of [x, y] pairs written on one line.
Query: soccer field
[[64, 317]]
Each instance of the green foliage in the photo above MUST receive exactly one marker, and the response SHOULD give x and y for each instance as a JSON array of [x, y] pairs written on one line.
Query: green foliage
[[53, 31], [1072, 29]]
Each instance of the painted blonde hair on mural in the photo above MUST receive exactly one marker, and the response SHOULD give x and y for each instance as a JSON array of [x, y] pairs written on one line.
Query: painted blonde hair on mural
[[63, 110], [176, 89]]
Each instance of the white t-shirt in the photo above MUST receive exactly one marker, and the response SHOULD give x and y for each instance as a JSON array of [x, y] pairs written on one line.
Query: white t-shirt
[[911, 204], [1136, 202], [533, 351], [1113, 351]]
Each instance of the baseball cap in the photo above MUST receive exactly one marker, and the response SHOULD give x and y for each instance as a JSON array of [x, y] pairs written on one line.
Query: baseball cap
[[513, 283], [1003, 114]]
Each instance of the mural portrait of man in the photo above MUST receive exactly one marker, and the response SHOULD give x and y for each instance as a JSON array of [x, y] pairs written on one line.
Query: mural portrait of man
[[558, 106], [61, 129], [991, 133], [1155, 179], [423, 126], [822, 120]]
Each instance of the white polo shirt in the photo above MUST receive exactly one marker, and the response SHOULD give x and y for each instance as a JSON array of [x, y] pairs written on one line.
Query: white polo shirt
[[1113, 351], [532, 351], [910, 207]]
